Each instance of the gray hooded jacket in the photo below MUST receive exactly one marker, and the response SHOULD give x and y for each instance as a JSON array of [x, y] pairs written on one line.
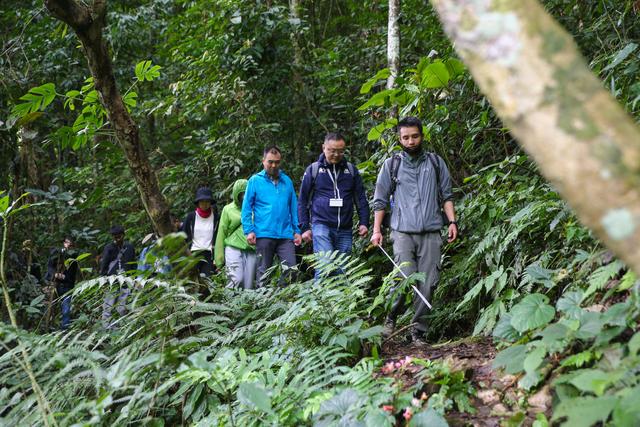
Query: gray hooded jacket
[[415, 208]]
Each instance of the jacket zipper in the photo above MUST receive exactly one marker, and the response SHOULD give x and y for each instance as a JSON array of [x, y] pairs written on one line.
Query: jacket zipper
[[336, 192]]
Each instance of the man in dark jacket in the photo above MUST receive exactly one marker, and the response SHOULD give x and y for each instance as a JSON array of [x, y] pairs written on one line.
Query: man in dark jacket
[[330, 188], [200, 225], [62, 269], [118, 257]]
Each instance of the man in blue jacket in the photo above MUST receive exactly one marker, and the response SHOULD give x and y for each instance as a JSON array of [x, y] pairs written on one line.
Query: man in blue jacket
[[330, 188], [270, 215]]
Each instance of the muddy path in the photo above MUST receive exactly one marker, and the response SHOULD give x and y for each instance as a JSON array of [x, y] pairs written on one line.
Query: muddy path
[[497, 398]]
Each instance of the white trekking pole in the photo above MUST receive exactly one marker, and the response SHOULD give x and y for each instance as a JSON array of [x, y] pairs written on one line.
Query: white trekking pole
[[405, 276]]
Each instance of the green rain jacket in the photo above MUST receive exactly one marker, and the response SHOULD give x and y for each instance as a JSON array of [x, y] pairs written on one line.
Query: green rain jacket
[[230, 229]]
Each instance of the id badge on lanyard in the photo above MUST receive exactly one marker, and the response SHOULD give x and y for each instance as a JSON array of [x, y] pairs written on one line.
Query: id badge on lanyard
[[335, 202]]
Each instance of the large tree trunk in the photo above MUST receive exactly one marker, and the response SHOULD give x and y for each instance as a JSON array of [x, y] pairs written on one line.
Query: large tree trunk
[[299, 133], [88, 22], [393, 43], [541, 87]]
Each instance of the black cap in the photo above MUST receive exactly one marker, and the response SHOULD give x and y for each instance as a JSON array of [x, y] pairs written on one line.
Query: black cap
[[116, 229], [203, 193]]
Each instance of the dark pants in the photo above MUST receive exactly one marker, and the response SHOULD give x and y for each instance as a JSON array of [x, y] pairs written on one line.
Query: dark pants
[[420, 252], [205, 265], [65, 306], [266, 248]]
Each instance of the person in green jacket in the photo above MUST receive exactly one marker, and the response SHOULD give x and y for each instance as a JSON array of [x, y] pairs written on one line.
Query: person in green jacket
[[231, 247]]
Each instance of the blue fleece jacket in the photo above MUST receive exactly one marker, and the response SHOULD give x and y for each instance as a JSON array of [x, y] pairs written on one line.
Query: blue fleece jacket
[[347, 187], [270, 210]]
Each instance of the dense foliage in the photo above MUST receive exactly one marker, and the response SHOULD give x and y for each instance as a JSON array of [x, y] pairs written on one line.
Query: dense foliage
[[210, 82]]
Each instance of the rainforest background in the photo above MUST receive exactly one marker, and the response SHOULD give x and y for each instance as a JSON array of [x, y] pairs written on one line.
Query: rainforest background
[[208, 84]]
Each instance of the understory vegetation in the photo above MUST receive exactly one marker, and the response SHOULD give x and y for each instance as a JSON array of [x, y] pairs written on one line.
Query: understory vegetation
[[210, 83]]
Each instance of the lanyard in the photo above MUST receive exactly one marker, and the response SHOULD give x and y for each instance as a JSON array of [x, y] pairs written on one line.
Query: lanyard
[[336, 192]]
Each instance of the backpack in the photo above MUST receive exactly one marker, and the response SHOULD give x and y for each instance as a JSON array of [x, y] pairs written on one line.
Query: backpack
[[315, 166], [395, 165]]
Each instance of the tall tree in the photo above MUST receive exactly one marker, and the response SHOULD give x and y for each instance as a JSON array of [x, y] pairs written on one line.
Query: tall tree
[[532, 72], [393, 43], [88, 22]]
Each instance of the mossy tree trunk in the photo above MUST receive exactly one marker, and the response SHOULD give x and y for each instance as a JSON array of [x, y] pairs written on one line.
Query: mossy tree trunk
[[537, 81]]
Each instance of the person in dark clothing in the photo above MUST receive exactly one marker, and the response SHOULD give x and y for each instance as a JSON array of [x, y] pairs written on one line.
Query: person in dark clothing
[[330, 188], [118, 257], [62, 269], [200, 227]]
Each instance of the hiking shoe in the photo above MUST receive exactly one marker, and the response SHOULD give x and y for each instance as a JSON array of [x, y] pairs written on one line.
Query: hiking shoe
[[417, 338], [389, 327]]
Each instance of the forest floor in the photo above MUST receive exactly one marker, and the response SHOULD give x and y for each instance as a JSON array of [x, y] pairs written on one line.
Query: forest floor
[[497, 398]]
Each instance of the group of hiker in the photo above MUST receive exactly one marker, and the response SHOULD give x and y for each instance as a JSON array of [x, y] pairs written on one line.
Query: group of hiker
[[266, 219]]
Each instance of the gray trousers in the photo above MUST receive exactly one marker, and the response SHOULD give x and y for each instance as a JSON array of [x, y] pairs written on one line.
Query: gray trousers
[[421, 252], [240, 267], [109, 301], [265, 250]]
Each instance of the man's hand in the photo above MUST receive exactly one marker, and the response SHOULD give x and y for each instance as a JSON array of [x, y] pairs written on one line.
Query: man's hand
[[251, 238], [297, 239], [362, 231], [376, 238], [307, 236], [453, 233]]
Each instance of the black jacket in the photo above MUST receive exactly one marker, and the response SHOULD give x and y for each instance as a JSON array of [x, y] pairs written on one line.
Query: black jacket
[[127, 259], [56, 264], [190, 222]]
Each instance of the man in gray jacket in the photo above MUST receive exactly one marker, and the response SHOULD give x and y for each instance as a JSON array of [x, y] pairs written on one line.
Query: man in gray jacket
[[419, 190]]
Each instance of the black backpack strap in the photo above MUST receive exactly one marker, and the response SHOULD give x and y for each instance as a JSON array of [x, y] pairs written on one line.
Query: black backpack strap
[[315, 166], [436, 166], [395, 165]]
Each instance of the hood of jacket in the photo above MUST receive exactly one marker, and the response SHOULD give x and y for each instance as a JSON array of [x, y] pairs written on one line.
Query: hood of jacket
[[240, 186]]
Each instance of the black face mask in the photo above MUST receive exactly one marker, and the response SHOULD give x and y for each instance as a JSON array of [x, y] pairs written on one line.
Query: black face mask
[[413, 150]]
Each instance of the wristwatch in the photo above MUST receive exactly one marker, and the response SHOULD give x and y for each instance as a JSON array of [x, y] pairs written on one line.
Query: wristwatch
[[453, 222]]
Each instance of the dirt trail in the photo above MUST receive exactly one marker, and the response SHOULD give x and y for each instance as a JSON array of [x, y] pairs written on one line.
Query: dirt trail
[[497, 397]]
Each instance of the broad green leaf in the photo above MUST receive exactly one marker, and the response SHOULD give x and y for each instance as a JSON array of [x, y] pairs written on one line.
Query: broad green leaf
[[504, 330], [378, 99], [382, 74], [376, 131], [435, 76], [554, 336], [591, 324], [592, 380], [584, 411], [511, 359], [455, 67], [4, 203], [534, 359], [634, 344], [145, 71], [254, 395], [532, 312], [617, 314], [627, 411], [569, 304], [130, 99], [36, 99], [428, 418]]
